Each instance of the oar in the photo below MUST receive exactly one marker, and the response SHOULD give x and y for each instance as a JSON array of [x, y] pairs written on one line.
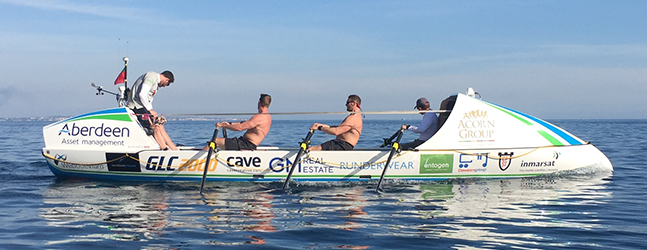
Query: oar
[[388, 141], [394, 148], [212, 147], [304, 146]]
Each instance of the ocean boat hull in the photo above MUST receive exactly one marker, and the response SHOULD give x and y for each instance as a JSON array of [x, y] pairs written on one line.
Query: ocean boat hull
[[359, 165], [478, 140]]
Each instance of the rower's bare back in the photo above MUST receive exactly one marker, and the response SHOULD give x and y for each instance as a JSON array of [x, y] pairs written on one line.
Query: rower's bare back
[[261, 126]]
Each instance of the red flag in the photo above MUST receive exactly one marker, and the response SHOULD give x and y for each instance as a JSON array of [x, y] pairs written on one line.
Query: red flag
[[122, 77]]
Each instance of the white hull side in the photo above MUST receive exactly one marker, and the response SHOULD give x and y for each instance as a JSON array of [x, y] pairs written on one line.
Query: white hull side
[[272, 164]]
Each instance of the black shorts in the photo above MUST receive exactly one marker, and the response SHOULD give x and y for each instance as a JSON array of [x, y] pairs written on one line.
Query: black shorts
[[144, 118], [336, 144], [239, 143]]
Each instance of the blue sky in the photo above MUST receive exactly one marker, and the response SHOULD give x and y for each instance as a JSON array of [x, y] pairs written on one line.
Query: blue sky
[[550, 59]]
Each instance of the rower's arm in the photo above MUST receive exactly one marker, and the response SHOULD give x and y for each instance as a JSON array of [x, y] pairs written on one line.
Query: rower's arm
[[244, 125], [336, 130], [344, 127]]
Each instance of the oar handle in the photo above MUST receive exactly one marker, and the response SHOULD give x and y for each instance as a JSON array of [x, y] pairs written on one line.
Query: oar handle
[[396, 144], [212, 147], [303, 146], [388, 141], [306, 141]]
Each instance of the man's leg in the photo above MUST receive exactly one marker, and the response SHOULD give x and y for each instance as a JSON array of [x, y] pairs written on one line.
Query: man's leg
[[158, 137], [162, 137], [167, 138], [220, 143]]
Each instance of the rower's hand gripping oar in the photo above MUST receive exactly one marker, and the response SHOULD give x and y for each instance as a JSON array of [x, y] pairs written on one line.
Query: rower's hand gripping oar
[[212, 148], [389, 140], [395, 148], [304, 146]]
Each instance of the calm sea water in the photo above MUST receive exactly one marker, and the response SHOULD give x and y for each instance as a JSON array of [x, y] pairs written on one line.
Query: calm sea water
[[580, 211]]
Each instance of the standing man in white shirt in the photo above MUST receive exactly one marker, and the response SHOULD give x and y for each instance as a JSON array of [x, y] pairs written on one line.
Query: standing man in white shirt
[[140, 101]]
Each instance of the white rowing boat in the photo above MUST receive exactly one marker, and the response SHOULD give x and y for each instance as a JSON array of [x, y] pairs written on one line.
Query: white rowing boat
[[478, 140]]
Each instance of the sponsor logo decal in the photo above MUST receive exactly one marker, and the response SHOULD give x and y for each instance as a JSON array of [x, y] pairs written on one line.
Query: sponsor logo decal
[[476, 127], [60, 163], [306, 166], [158, 163], [438, 163], [505, 159], [533, 164], [186, 164], [465, 160], [540, 165], [121, 162], [354, 165], [59, 158], [475, 114], [99, 131], [241, 161], [93, 135]]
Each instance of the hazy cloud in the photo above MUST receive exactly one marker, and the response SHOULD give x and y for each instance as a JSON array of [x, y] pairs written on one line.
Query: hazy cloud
[[84, 7], [6, 93]]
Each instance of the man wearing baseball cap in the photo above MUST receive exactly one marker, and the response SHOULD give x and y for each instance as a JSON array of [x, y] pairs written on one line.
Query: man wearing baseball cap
[[427, 127]]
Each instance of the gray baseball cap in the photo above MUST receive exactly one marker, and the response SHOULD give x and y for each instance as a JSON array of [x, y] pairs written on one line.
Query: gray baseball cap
[[422, 102]]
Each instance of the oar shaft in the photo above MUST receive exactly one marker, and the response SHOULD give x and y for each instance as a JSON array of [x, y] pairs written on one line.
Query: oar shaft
[[212, 147], [303, 147], [394, 149]]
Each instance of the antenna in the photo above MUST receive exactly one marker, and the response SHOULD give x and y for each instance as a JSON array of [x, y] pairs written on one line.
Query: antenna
[[124, 91], [471, 93]]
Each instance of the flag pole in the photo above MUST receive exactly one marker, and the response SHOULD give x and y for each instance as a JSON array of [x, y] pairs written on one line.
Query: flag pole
[[126, 72]]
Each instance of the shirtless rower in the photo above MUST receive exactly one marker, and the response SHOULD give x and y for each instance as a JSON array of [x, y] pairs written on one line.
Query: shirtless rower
[[347, 132], [257, 128]]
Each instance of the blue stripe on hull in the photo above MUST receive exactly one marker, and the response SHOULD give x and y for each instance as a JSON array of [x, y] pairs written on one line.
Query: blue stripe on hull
[[548, 126], [101, 112]]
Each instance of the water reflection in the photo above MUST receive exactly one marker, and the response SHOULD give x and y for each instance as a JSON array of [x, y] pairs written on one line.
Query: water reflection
[[106, 211], [511, 211], [463, 213]]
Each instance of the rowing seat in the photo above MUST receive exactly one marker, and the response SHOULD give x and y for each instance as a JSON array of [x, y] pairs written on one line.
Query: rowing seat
[[447, 104]]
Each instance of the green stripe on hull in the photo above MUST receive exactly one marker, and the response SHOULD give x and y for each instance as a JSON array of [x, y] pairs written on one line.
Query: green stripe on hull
[[550, 138], [113, 117], [544, 134]]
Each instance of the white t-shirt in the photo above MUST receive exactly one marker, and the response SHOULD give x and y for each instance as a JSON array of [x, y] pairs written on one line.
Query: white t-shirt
[[143, 91]]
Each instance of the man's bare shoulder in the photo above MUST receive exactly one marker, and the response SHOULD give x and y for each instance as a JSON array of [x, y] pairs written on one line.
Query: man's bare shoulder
[[261, 118], [354, 118]]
